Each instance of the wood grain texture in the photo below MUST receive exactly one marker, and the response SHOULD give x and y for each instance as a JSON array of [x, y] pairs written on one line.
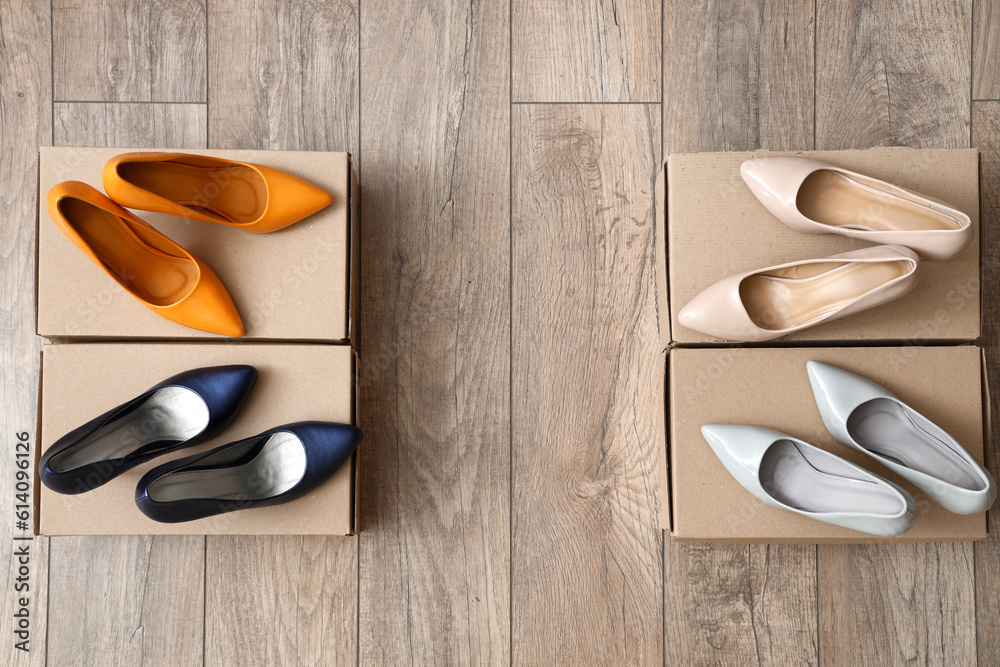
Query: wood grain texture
[[585, 387], [892, 74], [586, 50], [129, 600], [986, 135], [129, 50], [133, 596], [283, 76], [738, 76], [986, 50], [281, 601], [897, 604], [435, 466], [898, 74], [111, 124], [740, 605], [25, 103]]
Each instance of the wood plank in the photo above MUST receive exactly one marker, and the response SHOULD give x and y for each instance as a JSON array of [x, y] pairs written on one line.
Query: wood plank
[[986, 50], [435, 320], [986, 135], [893, 74], [283, 76], [281, 600], [738, 75], [740, 605], [25, 113], [586, 51], [129, 51], [893, 604], [585, 384], [112, 124], [127, 597], [898, 74]]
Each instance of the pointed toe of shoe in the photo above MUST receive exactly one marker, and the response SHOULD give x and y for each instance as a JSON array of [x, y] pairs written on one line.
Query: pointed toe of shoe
[[740, 448], [289, 200], [328, 444], [775, 181], [208, 307], [838, 393], [718, 311]]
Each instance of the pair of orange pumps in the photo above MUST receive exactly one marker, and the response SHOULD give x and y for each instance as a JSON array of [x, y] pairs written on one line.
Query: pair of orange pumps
[[158, 272]]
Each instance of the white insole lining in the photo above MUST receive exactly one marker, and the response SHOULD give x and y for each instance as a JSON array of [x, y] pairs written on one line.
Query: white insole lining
[[171, 413], [817, 481], [277, 467], [885, 428]]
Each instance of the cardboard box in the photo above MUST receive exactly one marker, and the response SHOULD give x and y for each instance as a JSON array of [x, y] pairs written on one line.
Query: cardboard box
[[769, 387], [300, 283], [296, 382], [711, 226]]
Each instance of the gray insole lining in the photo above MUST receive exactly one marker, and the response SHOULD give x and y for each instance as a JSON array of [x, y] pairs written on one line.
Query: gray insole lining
[[811, 483], [170, 413], [887, 429], [277, 468]]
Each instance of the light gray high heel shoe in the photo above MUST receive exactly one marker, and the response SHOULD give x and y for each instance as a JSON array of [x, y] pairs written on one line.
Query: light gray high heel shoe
[[792, 475], [867, 417]]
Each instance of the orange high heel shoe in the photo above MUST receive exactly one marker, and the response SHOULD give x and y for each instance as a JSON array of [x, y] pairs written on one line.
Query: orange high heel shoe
[[247, 196], [162, 275]]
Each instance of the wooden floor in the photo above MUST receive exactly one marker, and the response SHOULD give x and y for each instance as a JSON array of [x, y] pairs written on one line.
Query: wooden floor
[[507, 151]]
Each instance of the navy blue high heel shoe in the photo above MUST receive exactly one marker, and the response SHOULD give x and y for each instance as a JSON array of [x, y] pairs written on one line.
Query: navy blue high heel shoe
[[273, 467], [186, 409]]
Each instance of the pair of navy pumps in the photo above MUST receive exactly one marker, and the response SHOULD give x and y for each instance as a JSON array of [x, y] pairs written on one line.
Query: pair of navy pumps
[[273, 467]]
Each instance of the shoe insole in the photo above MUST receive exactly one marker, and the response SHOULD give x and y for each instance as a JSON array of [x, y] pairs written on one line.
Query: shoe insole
[[834, 199], [277, 468], [790, 297], [151, 274], [170, 413], [232, 193], [887, 429], [816, 481]]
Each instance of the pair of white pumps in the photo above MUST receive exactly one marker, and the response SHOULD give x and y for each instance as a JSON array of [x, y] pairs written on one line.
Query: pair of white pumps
[[790, 474]]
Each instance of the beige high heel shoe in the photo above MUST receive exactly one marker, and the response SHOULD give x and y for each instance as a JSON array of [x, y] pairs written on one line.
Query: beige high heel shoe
[[818, 198], [779, 300]]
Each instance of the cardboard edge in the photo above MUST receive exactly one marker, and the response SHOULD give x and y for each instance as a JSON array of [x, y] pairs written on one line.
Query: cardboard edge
[[38, 222], [662, 467], [36, 491], [660, 257], [355, 457], [830, 540], [353, 253], [979, 236], [987, 426]]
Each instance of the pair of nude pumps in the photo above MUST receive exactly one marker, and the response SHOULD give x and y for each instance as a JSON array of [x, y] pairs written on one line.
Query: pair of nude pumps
[[790, 474], [162, 275], [818, 198]]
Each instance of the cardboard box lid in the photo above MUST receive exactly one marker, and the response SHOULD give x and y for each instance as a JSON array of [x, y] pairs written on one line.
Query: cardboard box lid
[[296, 382], [294, 284], [769, 387], [716, 228]]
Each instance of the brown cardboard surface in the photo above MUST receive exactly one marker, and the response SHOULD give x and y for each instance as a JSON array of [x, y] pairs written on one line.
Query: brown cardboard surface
[[716, 228], [296, 382], [294, 284], [769, 387]]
